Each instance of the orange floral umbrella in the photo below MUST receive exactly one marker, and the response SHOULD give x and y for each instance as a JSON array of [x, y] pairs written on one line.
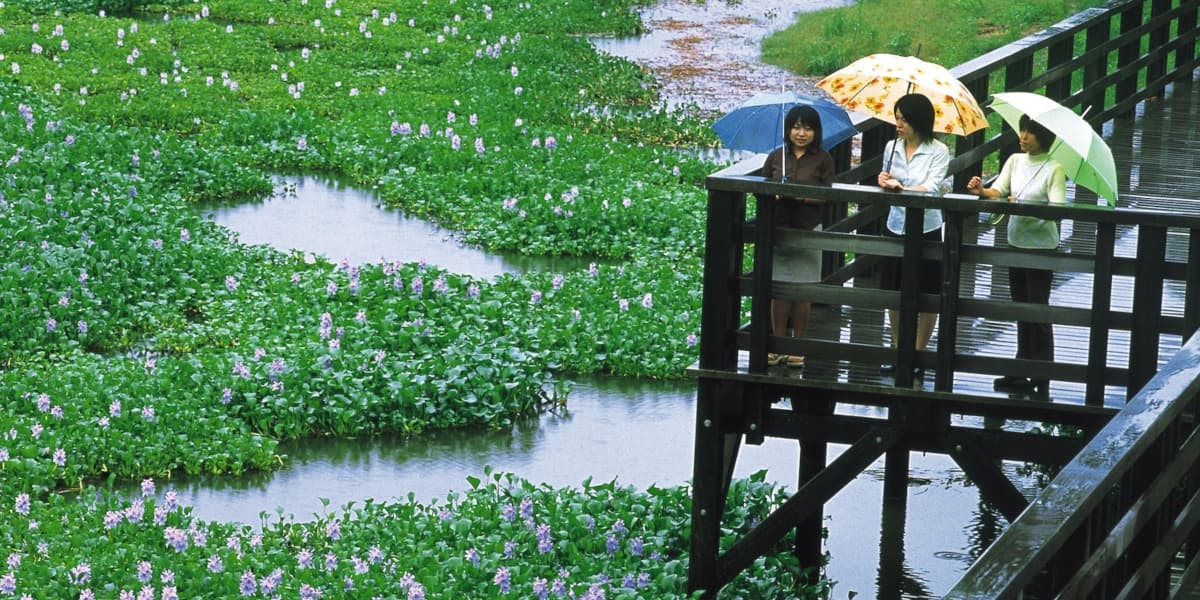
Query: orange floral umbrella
[[872, 84]]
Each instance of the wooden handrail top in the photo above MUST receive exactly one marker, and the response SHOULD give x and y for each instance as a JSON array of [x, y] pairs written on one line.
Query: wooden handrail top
[[955, 202]]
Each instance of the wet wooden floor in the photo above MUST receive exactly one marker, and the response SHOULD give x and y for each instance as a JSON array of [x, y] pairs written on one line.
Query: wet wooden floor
[[1157, 152]]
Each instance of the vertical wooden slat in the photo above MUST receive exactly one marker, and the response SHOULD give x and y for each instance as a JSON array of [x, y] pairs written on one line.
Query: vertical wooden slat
[[1096, 66], [905, 332], [1186, 28], [1158, 38], [1058, 53], [1131, 18], [1106, 234], [1147, 306], [948, 319], [1191, 302], [979, 90], [760, 300]]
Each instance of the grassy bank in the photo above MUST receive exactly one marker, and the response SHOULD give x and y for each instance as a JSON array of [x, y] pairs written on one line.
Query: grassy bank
[[948, 32]]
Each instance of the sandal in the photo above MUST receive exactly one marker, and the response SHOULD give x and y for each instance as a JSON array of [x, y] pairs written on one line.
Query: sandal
[[776, 359], [795, 361]]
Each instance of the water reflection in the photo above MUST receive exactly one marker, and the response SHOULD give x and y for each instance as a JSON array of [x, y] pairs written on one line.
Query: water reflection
[[319, 215]]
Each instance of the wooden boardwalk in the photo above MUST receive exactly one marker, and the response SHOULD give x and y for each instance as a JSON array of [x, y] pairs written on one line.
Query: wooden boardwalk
[[1157, 151]]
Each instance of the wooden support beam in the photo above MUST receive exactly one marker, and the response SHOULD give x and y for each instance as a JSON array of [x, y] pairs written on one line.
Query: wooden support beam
[[811, 496], [1147, 307], [1106, 236], [984, 470]]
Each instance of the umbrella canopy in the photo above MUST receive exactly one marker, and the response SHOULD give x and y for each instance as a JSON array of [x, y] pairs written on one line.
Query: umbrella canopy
[[872, 84], [1084, 156], [757, 124]]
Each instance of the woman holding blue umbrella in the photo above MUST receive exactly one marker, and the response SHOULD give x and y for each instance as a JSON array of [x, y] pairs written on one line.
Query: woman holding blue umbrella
[[800, 159]]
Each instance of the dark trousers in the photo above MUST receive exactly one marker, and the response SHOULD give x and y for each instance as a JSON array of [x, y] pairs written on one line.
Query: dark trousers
[[1034, 340]]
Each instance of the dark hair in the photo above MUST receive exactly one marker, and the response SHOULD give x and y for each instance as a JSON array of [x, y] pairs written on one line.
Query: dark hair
[[806, 115], [918, 113], [1044, 136]]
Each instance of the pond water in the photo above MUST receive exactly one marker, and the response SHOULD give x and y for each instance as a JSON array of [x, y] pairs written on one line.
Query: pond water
[[318, 215], [637, 432], [706, 53]]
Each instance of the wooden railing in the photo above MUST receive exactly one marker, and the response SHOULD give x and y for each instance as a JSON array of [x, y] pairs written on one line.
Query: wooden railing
[[1117, 517], [1151, 267], [1107, 60]]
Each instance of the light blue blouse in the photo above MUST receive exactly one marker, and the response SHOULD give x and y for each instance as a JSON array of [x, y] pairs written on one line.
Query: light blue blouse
[[927, 168]]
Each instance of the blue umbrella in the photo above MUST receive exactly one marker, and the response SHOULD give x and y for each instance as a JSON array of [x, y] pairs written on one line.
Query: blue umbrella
[[757, 125]]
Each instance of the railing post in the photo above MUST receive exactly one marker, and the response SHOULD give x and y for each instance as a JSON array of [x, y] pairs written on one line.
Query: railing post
[[1147, 306], [1191, 299], [904, 333], [722, 264]]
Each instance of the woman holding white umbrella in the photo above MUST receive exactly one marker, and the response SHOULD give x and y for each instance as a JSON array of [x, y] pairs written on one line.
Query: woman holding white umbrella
[[916, 162], [1031, 177]]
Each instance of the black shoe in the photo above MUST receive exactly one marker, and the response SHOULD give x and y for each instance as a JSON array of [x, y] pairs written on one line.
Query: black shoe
[[887, 369], [918, 372], [1013, 383]]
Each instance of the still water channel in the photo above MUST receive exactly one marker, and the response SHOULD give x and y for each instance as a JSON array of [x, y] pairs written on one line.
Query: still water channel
[[636, 432]]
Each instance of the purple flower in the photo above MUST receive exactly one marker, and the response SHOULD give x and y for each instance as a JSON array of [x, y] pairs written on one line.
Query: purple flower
[[593, 270], [536, 297], [545, 544], [8, 584], [418, 286], [508, 512], [612, 544], [308, 592], [215, 565], [479, 147], [502, 579], [60, 457], [302, 143], [304, 559], [82, 326], [330, 288], [144, 571], [176, 538], [424, 130], [248, 583], [81, 574], [551, 143], [331, 561], [450, 118], [136, 510], [51, 325], [691, 340], [557, 282], [558, 587], [455, 143], [147, 484], [526, 508], [648, 301], [333, 529], [636, 546], [231, 283], [540, 589], [473, 291], [226, 396], [185, 236], [623, 304], [416, 592], [628, 582], [510, 549], [473, 556]]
